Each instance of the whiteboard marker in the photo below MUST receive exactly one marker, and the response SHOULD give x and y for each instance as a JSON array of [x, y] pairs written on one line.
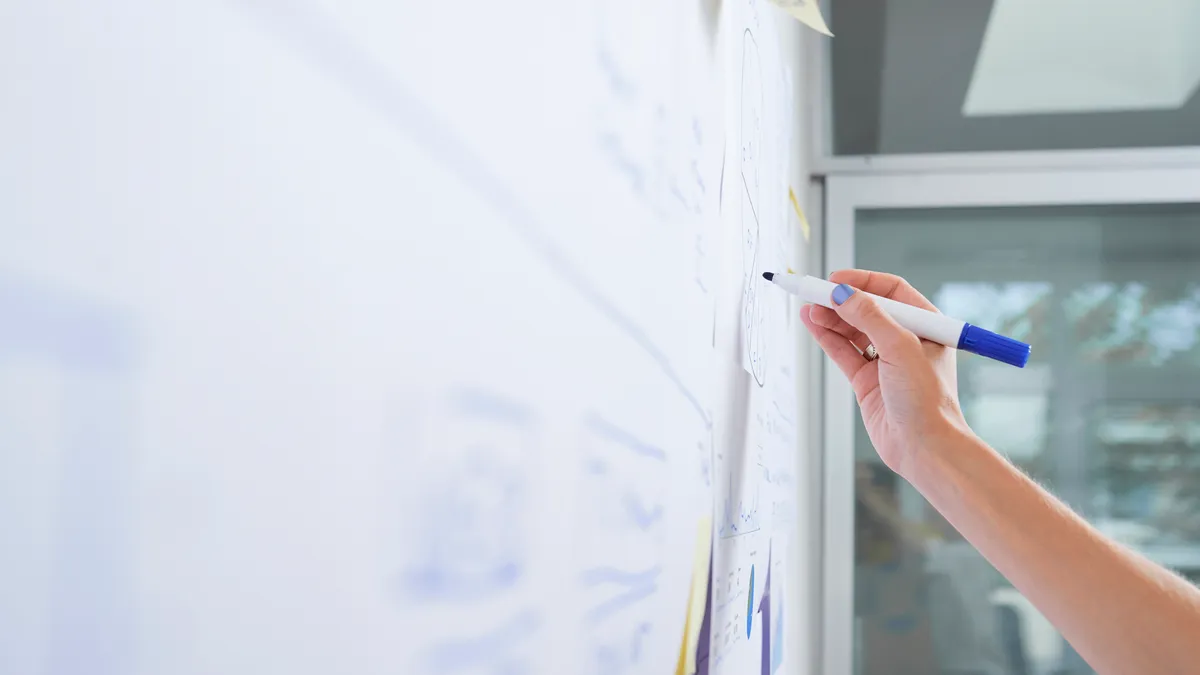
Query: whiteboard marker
[[924, 323]]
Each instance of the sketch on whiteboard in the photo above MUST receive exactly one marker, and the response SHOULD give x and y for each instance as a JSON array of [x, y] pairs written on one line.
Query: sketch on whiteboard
[[733, 604], [751, 145], [498, 652], [623, 523], [473, 532], [741, 516], [467, 545], [649, 134], [764, 608]]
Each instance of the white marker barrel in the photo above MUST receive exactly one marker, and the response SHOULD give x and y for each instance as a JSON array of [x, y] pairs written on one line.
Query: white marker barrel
[[925, 324]]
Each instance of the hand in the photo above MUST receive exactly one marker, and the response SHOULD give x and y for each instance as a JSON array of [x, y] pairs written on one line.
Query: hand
[[908, 397]]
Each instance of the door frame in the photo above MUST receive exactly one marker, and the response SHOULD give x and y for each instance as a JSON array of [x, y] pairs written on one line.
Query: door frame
[[845, 195]]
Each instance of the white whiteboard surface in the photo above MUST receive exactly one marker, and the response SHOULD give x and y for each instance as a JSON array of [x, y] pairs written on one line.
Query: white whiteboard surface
[[391, 337]]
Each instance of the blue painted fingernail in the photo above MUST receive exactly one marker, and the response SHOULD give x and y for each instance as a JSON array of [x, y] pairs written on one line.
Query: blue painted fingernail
[[842, 293]]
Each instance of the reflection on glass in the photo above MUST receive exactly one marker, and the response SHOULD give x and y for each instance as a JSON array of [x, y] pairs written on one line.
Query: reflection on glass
[[1146, 472], [1107, 415], [1134, 322], [943, 76]]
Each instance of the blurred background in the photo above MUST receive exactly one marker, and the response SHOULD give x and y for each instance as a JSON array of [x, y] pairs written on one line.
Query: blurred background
[[935, 76], [1106, 414], [1028, 167]]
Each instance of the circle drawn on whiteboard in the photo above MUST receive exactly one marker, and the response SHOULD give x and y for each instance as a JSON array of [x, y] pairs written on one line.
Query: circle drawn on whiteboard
[[750, 151]]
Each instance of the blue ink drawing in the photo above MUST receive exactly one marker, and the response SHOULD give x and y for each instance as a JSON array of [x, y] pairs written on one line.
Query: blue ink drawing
[[613, 496], [644, 518], [636, 587], [750, 604], [492, 653], [739, 520], [611, 432], [772, 652], [472, 535]]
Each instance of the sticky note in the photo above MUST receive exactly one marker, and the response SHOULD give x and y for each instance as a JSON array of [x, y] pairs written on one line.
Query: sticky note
[[808, 12], [804, 226], [697, 598], [681, 664]]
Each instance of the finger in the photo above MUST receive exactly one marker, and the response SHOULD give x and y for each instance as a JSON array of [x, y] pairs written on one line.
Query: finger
[[823, 316], [847, 358], [883, 285], [860, 310]]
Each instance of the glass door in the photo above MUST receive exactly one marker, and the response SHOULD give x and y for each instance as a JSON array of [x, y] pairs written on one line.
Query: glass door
[[1100, 272]]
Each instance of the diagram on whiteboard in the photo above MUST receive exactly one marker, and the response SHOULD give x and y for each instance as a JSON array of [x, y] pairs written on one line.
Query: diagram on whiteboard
[[739, 512], [467, 543], [754, 458], [751, 145], [482, 492]]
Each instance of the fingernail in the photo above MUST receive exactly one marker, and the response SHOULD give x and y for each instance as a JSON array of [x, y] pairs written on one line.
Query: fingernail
[[842, 293]]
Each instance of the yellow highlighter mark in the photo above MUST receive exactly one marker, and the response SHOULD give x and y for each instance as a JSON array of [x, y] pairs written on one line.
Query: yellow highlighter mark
[[697, 599], [804, 226]]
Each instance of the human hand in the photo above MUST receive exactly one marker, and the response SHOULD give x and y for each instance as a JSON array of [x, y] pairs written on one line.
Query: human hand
[[908, 397]]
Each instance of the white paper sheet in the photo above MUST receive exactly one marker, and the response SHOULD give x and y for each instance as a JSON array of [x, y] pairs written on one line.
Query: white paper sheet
[[808, 12], [757, 435]]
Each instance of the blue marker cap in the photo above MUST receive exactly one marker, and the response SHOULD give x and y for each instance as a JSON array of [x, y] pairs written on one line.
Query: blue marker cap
[[994, 346]]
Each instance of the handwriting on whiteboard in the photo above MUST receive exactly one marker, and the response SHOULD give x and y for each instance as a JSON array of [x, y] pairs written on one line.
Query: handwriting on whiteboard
[[750, 159]]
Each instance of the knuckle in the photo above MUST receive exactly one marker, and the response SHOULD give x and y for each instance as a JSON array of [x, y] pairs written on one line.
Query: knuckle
[[823, 316], [902, 343], [868, 306]]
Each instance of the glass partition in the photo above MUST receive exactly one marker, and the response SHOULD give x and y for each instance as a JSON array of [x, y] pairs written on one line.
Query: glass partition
[[1107, 415]]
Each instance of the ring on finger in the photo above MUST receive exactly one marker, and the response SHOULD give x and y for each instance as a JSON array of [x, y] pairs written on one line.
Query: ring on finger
[[870, 353]]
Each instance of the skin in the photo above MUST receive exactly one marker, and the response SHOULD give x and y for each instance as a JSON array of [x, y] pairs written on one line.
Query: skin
[[1120, 611]]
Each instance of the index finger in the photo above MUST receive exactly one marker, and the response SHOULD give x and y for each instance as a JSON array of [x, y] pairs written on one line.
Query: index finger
[[884, 285]]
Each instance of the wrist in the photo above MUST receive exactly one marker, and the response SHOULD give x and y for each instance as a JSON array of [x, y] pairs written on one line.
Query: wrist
[[946, 444]]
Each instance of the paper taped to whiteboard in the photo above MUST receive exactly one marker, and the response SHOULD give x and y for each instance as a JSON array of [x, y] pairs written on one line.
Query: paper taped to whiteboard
[[808, 12]]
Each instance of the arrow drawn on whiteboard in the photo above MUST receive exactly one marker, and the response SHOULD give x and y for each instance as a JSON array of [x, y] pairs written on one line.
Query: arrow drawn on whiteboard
[[643, 517]]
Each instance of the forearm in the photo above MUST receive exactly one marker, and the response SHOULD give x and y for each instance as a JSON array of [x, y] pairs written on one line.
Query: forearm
[[1121, 612]]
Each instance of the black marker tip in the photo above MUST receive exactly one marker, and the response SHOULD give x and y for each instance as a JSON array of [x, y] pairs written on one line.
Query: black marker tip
[[768, 275]]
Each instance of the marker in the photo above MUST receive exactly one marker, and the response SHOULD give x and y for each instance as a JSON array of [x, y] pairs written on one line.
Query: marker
[[925, 324]]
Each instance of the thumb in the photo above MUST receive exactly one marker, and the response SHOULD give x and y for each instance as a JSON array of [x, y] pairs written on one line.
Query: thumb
[[864, 313]]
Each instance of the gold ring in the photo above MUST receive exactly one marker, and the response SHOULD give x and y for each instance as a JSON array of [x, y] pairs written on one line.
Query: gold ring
[[870, 353]]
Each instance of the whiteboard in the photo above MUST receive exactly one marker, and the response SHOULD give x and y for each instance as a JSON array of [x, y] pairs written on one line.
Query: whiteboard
[[393, 337]]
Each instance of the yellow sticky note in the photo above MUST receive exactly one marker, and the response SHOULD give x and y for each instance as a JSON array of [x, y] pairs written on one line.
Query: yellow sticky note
[[698, 598], [681, 664], [808, 12], [804, 226]]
